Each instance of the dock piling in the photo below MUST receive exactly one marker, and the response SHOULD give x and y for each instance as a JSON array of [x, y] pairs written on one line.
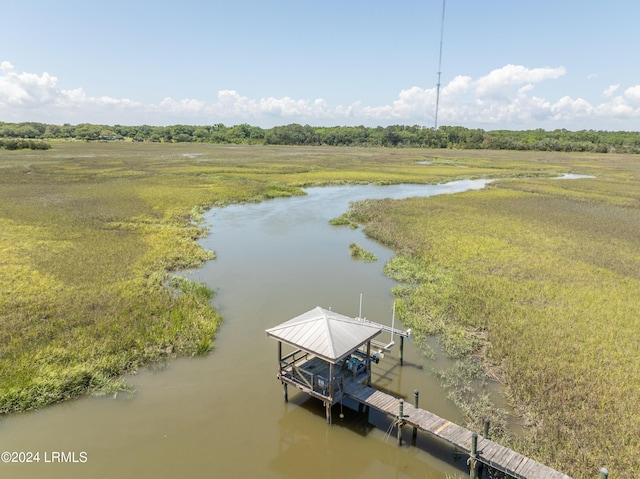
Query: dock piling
[[328, 411], [414, 437], [473, 471], [400, 421], [485, 435], [286, 393], [401, 350]]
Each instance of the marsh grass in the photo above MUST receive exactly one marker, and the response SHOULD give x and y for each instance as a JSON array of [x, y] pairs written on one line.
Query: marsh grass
[[343, 220], [90, 232], [535, 277], [358, 252], [536, 280]]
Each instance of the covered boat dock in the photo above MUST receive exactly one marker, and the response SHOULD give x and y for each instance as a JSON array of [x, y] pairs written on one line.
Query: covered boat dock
[[331, 360], [331, 354]]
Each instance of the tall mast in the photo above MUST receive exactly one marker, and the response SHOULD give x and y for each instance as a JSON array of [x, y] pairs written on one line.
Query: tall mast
[[439, 65]]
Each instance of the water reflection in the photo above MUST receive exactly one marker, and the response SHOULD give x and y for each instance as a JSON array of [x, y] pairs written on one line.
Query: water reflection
[[573, 176]]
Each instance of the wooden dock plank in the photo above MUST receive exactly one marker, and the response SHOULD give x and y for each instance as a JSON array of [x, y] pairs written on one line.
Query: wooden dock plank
[[489, 449], [514, 460], [434, 423], [489, 452], [442, 427], [530, 468], [457, 436], [419, 417], [533, 469]]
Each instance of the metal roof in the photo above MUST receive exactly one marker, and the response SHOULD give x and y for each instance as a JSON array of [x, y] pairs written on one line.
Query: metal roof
[[325, 333]]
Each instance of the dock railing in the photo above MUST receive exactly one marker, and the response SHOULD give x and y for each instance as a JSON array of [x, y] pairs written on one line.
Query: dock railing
[[291, 369], [302, 370]]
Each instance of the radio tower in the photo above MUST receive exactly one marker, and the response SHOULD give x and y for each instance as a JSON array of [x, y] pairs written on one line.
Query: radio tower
[[439, 65]]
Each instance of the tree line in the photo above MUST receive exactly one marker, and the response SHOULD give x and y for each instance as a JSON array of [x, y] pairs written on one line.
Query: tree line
[[22, 144], [296, 134]]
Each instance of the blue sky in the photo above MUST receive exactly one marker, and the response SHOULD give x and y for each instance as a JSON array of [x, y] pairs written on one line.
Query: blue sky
[[507, 64]]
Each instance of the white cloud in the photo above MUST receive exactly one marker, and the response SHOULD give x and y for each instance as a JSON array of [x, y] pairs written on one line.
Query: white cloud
[[25, 89], [499, 80], [187, 107], [632, 93], [567, 109], [503, 98], [32, 97], [458, 86], [619, 108], [611, 89], [231, 104]]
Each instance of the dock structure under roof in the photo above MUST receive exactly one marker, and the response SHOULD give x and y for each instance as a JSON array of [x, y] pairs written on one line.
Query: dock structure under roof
[[330, 359], [331, 354]]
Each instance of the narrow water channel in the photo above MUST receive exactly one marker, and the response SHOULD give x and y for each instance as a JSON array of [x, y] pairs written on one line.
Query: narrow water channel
[[224, 415]]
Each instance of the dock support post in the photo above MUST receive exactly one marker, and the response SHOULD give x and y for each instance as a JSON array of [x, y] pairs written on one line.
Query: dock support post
[[604, 473], [401, 350], [400, 421], [369, 363], [473, 472], [416, 395], [331, 381], [485, 434], [286, 393], [327, 406]]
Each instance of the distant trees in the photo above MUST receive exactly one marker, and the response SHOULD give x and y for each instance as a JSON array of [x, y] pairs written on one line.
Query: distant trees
[[21, 144], [296, 134], [292, 134]]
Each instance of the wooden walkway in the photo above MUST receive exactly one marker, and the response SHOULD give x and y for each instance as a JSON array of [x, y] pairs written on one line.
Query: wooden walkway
[[488, 452]]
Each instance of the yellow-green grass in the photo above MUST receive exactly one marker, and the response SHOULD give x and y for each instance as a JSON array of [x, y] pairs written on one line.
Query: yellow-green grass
[[541, 280], [358, 252], [90, 231]]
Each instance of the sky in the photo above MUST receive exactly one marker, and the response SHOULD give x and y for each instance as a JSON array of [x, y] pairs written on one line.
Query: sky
[[506, 64]]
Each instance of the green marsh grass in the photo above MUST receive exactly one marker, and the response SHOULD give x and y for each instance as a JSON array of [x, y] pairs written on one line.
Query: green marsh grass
[[358, 252], [534, 279], [90, 233]]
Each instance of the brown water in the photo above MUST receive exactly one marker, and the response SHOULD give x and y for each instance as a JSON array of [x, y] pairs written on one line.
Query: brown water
[[224, 415]]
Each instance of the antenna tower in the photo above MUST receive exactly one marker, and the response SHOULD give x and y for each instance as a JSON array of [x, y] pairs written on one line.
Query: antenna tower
[[439, 65]]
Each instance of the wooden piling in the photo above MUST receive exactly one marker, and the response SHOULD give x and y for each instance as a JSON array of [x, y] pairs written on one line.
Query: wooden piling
[[284, 385], [368, 371], [401, 350], [331, 379], [473, 455], [485, 433], [400, 421], [327, 406], [414, 437]]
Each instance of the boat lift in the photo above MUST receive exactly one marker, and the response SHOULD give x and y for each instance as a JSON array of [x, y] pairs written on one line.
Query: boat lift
[[382, 347]]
